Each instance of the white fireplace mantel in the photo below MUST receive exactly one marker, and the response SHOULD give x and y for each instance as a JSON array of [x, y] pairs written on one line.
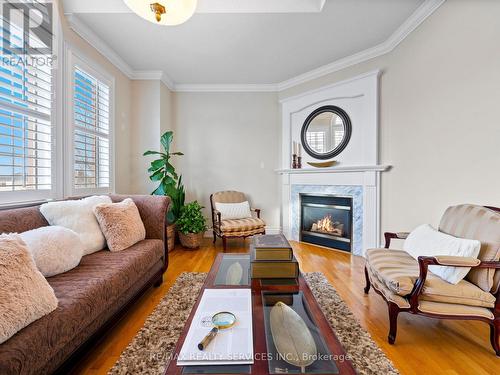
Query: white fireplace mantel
[[339, 169], [357, 172]]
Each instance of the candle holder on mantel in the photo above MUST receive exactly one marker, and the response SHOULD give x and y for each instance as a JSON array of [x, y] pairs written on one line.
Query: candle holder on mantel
[[299, 162], [294, 161]]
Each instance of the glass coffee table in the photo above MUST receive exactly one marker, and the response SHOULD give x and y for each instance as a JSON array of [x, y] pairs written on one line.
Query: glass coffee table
[[331, 357]]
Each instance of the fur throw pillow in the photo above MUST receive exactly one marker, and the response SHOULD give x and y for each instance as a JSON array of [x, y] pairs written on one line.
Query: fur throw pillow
[[55, 249], [25, 295], [78, 216], [121, 224]]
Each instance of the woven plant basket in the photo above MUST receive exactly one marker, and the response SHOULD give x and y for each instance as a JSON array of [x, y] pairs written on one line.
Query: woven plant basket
[[171, 237], [191, 240]]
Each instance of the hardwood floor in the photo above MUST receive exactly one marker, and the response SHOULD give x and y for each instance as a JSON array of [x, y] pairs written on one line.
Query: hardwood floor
[[423, 345]]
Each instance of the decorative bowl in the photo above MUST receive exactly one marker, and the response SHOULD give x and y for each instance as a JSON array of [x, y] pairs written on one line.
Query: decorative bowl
[[322, 164]]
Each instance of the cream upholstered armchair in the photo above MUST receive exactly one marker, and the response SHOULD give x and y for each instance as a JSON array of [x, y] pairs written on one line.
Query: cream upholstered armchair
[[407, 285], [234, 228]]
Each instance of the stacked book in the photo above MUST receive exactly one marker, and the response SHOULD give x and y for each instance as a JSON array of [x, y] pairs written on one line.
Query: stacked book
[[272, 258]]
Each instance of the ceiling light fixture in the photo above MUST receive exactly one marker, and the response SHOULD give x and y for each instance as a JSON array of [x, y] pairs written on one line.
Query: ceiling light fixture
[[163, 12]]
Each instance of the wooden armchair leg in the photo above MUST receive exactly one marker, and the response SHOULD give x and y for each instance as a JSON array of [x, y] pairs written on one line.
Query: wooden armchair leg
[[224, 243], [495, 335], [367, 287], [215, 237], [393, 321]]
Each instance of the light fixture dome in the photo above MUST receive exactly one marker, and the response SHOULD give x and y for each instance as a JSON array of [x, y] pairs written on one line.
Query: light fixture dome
[[163, 12]]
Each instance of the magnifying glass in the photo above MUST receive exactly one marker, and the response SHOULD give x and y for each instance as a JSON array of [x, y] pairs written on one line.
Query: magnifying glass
[[220, 320]]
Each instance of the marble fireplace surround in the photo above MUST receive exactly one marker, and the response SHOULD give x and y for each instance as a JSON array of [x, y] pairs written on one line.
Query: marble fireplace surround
[[357, 172]]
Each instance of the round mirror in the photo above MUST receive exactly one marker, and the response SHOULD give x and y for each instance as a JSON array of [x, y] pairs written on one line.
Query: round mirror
[[326, 132]]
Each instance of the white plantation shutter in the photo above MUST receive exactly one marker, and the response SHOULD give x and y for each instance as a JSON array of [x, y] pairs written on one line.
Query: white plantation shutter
[[91, 120], [26, 126]]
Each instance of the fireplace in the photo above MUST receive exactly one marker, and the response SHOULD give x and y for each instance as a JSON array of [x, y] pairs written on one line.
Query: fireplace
[[326, 220]]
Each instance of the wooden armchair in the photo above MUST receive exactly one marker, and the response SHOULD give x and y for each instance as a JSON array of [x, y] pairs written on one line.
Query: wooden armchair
[[407, 285], [234, 228]]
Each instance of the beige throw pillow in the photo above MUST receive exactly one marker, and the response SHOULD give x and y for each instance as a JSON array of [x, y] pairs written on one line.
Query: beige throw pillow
[[120, 223], [25, 295]]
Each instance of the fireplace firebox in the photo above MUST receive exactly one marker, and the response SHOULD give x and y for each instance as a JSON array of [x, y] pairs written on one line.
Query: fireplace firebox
[[326, 220]]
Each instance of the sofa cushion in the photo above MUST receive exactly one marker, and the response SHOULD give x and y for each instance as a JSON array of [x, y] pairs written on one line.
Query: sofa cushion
[[85, 295], [120, 223], [78, 216], [398, 271], [242, 225], [25, 295], [482, 224], [55, 249]]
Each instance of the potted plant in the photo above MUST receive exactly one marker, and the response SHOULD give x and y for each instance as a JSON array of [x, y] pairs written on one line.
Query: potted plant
[[170, 183], [191, 225]]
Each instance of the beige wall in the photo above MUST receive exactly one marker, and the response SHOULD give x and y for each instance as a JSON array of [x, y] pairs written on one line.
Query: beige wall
[[231, 141], [439, 123]]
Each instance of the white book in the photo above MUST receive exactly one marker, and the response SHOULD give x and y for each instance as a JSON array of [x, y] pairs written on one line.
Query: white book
[[232, 345]]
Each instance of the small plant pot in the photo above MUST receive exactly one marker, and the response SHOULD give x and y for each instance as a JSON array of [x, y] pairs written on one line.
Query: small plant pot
[[191, 240], [171, 237]]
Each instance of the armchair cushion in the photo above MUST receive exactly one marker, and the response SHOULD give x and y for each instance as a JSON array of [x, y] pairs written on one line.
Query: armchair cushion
[[478, 223], [234, 210], [427, 241], [398, 272], [242, 225]]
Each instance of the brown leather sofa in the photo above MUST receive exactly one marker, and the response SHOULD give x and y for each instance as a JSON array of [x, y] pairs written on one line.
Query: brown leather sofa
[[92, 297]]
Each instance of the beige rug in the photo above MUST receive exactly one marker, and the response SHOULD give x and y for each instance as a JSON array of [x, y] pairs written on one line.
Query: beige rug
[[150, 350]]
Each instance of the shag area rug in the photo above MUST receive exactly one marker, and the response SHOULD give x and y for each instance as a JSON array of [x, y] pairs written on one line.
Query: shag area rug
[[150, 350]]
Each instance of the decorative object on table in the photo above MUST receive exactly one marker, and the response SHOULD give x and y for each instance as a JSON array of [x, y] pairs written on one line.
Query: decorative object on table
[[220, 320], [273, 269], [322, 164], [191, 225], [170, 184], [272, 247], [176, 306], [234, 228], [326, 132], [292, 338], [234, 274]]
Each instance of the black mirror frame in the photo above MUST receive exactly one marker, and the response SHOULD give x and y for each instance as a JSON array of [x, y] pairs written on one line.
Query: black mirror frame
[[347, 135]]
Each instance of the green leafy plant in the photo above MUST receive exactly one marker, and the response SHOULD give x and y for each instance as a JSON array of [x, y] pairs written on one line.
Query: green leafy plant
[[163, 171], [191, 219]]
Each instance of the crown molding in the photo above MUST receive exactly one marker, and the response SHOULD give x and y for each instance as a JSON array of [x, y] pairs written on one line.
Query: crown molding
[[418, 16], [93, 39], [188, 87]]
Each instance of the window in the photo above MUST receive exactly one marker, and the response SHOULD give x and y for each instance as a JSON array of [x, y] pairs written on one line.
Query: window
[[26, 131], [91, 132], [89, 141]]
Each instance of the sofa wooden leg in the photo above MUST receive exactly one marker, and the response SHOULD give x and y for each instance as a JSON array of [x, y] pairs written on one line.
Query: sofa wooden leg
[[393, 321], [224, 243], [495, 335], [367, 287], [158, 282]]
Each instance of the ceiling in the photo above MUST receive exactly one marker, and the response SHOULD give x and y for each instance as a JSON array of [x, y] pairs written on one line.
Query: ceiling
[[247, 45]]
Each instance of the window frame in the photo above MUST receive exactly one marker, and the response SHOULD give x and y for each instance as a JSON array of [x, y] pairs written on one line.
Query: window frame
[[74, 58], [20, 198]]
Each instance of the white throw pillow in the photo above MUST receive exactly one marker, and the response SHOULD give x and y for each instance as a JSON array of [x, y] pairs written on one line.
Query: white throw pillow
[[78, 215], [427, 241], [233, 210], [55, 249]]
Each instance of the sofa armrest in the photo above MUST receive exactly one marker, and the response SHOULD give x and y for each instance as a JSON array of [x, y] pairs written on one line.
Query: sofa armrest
[[445, 260], [153, 210], [390, 235]]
